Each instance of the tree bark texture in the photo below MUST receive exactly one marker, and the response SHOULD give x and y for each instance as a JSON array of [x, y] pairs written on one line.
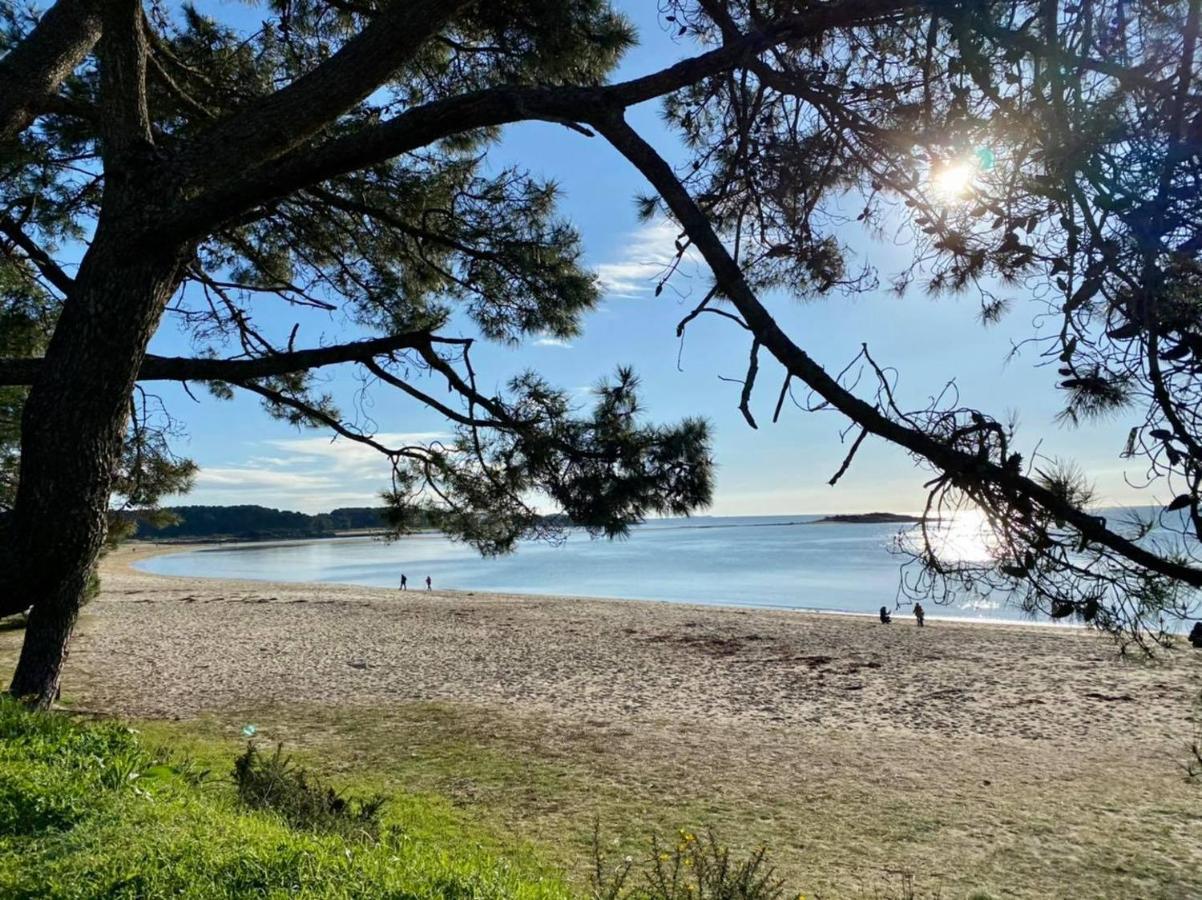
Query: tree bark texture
[[32, 72], [71, 433]]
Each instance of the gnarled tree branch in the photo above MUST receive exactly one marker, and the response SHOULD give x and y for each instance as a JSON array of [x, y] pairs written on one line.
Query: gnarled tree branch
[[181, 368], [800, 364], [267, 128], [424, 125]]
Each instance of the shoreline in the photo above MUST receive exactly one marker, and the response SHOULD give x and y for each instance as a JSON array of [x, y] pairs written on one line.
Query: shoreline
[[309, 633], [901, 614]]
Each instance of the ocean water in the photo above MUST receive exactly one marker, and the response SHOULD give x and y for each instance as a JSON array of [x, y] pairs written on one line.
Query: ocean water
[[784, 562]]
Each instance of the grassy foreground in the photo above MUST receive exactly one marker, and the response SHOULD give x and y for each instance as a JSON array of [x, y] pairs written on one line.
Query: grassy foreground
[[90, 811]]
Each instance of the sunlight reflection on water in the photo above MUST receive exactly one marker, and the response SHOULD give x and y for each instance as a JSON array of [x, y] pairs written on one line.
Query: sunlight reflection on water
[[784, 562]]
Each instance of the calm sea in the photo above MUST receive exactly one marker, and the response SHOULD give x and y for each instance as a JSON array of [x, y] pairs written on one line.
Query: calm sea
[[784, 562]]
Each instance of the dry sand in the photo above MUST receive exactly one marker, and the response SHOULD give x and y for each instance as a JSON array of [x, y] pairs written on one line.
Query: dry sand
[[1019, 758], [165, 646]]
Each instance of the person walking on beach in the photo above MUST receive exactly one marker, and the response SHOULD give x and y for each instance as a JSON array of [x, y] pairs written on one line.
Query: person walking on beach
[[404, 582], [429, 583], [919, 613]]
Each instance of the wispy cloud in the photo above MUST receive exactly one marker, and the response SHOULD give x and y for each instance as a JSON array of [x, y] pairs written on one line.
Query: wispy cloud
[[552, 342], [645, 258], [323, 449], [311, 474], [259, 462], [250, 478], [308, 491]]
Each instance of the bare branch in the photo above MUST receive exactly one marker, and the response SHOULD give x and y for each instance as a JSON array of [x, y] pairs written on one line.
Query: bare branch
[[753, 367], [178, 368], [39, 257], [451, 414], [847, 459]]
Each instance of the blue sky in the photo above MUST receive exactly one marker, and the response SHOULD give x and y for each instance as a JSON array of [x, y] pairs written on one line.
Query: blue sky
[[247, 458]]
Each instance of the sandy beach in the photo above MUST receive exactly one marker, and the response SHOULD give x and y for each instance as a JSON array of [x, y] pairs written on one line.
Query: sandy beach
[[968, 755]]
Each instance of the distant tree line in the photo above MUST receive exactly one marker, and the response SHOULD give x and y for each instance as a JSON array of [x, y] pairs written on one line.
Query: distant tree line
[[251, 522]]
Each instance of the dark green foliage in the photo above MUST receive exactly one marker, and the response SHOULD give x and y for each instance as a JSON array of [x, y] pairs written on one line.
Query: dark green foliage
[[277, 784], [691, 868], [247, 522], [251, 522], [147, 469], [427, 240], [263, 177], [605, 470], [356, 518], [25, 320], [402, 244]]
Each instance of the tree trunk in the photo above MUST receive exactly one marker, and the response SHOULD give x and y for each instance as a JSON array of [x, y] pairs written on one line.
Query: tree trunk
[[71, 434]]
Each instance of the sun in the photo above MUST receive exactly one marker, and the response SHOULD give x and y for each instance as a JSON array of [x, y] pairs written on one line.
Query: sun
[[953, 181]]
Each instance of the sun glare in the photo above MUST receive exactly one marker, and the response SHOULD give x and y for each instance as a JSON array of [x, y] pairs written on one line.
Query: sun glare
[[952, 181], [966, 537], [961, 537]]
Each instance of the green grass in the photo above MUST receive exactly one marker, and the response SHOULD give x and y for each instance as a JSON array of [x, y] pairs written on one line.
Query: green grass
[[482, 806], [92, 810], [832, 830]]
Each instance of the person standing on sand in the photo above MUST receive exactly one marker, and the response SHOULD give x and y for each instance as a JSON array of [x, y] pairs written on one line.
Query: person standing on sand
[[885, 617], [429, 583], [919, 613], [404, 582]]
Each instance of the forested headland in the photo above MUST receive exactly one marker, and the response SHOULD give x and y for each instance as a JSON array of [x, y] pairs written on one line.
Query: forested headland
[[251, 522], [256, 523]]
